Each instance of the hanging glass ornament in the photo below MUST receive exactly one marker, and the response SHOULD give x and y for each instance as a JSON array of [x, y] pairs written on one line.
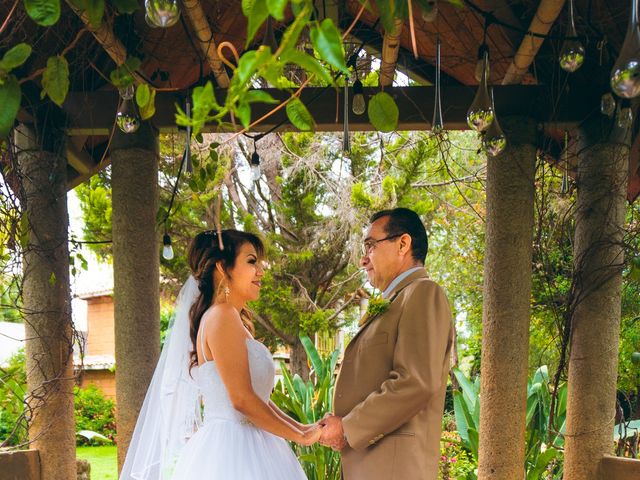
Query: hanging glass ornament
[[127, 118], [482, 51], [625, 76], [358, 104], [564, 186], [494, 141], [572, 51], [127, 93], [346, 147], [162, 13], [437, 124], [480, 113], [188, 167], [624, 116], [430, 11], [607, 105]]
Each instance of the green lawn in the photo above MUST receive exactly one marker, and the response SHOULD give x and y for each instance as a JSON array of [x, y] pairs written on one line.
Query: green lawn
[[104, 464]]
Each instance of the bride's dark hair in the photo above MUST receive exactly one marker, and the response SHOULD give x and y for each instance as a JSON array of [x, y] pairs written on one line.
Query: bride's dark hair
[[204, 254]]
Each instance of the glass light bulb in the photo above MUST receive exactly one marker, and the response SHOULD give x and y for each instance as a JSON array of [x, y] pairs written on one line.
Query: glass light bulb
[[607, 105], [625, 76], [494, 141], [480, 113], [270, 36], [359, 105], [430, 12], [127, 119], [255, 172], [572, 51], [255, 166], [162, 13], [167, 250]]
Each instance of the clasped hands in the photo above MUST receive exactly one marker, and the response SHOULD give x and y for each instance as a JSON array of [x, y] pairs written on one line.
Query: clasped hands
[[329, 432]]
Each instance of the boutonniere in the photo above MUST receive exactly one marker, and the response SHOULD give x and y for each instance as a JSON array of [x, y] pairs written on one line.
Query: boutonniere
[[377, 306]]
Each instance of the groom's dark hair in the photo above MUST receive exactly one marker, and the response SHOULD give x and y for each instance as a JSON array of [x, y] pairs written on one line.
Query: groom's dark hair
[[403, 220]]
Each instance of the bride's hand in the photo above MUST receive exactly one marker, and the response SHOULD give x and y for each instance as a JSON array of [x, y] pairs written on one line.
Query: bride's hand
[[310, 435]]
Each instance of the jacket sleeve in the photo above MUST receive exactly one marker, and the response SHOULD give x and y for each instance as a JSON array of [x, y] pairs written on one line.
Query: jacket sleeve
[[420, 355]]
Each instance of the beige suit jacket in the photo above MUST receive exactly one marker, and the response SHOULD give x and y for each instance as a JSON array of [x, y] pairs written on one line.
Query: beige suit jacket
[[391, 386]]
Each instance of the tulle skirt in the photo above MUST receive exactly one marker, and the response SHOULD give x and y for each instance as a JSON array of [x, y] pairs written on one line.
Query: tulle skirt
[[229, 450]]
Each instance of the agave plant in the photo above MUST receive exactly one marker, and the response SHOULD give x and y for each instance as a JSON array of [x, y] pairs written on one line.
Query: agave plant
[[308, 402], [544, 441]]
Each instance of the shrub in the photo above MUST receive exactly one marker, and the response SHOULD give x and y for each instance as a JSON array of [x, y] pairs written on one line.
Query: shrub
[[94, 412], [13, 388]]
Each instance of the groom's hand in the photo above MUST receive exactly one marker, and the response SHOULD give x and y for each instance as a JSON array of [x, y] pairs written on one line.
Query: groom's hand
[[332, 432]]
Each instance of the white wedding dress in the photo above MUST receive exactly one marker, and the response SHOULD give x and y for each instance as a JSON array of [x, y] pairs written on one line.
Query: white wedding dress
[[227, 446]]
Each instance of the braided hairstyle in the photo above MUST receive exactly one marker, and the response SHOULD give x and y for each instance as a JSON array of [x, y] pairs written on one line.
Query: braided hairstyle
[[204, 253]]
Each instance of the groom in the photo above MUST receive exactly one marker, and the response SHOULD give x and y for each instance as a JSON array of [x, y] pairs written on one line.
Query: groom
[[389, 395]]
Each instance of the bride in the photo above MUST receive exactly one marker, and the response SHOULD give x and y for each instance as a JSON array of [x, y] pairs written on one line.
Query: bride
[[211, 360]]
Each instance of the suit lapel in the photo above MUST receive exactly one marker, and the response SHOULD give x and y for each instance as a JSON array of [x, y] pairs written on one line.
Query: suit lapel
[[367, 319]]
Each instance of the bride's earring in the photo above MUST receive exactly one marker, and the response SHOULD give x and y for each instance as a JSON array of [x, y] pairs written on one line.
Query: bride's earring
[[226, 291]]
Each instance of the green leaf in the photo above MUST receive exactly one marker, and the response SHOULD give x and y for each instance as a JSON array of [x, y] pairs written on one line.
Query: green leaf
[[243, 112], [126, 6], [95, 11], [307, 62], [55, 79], [10, 96], [299, 115], [383, 112], [256, 12], [15, 57], [387, 14], [327, 41], [148, 110], [142, 94], [261, 96], [122, 76], [276, 8], [313, 355], [43, 12]]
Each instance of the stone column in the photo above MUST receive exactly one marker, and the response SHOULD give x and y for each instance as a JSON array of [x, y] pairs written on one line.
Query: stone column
[[507, 298], [136, 265], [595, 321], [47, 301]]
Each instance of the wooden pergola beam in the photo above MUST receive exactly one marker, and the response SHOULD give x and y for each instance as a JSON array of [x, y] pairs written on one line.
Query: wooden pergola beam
[[204, 35], [390, 49], [543, 20], [105, 37], [93, 113]]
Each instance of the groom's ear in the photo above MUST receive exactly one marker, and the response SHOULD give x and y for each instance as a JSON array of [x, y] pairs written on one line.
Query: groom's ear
[[405, 244]]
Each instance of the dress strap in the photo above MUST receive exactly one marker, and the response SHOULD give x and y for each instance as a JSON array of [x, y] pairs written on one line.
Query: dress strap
[[204, 354]]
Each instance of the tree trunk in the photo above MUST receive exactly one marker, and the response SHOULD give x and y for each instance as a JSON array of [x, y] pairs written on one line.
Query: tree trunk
[[298, 360], [47, 307], [595, 321], [136, 264], [507, 297]]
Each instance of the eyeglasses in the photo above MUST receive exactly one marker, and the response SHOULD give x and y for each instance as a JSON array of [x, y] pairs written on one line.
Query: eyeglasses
[[371, 243]]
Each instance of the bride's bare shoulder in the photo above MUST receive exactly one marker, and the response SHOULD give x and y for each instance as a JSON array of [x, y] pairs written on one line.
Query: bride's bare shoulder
[[222, 317]]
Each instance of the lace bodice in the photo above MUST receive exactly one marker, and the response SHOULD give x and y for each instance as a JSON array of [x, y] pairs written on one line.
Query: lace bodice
[[215, 397]]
